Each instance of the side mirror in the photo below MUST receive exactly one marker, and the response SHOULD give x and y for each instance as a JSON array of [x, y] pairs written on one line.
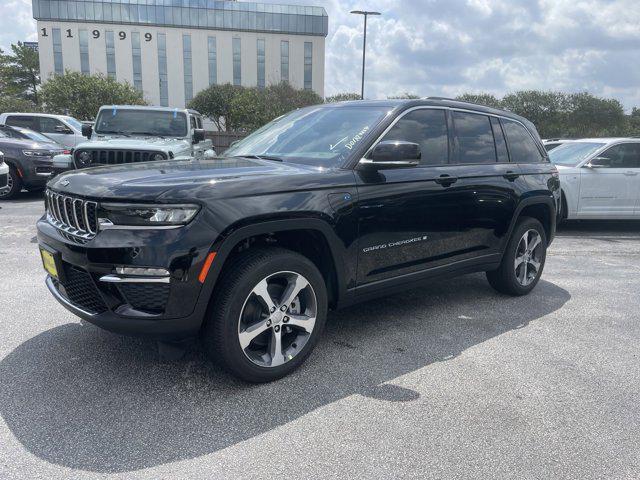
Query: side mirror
[[198, 135], [87, 130], [599, 162], [393, 154]]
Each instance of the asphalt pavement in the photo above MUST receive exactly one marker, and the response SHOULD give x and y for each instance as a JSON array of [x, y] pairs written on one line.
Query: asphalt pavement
[[447, 381]]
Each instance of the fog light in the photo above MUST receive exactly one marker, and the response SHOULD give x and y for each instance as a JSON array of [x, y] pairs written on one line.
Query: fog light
[[142, 271]]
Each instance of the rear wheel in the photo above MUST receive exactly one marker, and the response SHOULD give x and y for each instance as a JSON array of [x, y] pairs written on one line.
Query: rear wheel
[[523, 260], [268, 314], [14, 184]]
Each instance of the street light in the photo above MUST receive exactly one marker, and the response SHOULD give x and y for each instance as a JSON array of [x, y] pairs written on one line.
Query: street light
[[364, 42]]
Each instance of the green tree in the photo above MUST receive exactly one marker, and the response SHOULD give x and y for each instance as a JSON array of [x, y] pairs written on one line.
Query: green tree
[[13, 104], [547, 110], [20, 73], [486, 99], [404, 96], [215, 102], [342, 97], [82, 95], [590, 116]]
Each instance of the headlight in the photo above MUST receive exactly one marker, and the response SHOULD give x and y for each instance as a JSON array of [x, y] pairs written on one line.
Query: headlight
[[84, 158], [112, 215], [37, 153]]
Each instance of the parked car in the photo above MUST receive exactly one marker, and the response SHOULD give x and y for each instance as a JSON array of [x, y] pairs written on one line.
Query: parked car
[[4, 174], [25, 133], [554, 143], [62, 129], [600, 178], [324, 207], [30, 162], [132, 134]]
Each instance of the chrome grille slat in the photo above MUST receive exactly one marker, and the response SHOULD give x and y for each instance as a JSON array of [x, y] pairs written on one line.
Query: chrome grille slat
[[63, 211]]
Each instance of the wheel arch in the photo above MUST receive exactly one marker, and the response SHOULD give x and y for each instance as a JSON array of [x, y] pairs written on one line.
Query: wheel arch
[[543, 209]]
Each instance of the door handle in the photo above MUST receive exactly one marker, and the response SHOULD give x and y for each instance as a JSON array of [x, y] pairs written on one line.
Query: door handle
[[446, 180], [511, 175]]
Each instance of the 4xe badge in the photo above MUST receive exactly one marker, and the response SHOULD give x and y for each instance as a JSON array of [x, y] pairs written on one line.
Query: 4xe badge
[[399, 243]]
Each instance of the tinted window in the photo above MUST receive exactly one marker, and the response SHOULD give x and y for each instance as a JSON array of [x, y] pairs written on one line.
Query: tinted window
[[474, 137], [8, 132], [20, 121], [626, 155], [48, 125], [521, 146], [427, 128], [501, 144]]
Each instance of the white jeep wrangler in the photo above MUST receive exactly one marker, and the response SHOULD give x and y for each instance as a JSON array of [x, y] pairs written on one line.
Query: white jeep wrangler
[[125, 134]]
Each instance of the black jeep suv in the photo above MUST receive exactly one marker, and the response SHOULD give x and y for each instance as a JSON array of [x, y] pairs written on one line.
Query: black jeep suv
[[324, 207]]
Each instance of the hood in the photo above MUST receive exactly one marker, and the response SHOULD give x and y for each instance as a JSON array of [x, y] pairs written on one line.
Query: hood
[[180, 180], [27, 144], [136, 143]]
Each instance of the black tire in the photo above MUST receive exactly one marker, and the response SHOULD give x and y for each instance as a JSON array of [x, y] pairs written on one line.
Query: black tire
[[15, 183], [505, 278], [220, 335]]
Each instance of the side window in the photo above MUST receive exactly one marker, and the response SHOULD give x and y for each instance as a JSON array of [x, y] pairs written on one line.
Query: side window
[[501, 144], [199, 122], [625, 155], [427, 128], [49, 125], [20, 121], [193, 122], [521, 146], [474, 137]]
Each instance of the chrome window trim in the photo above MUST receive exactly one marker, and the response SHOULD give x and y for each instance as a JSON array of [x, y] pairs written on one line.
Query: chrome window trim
[[118, 279]]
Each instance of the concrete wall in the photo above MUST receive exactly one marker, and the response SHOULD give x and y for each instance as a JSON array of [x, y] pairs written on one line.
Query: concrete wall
[[150, 77]]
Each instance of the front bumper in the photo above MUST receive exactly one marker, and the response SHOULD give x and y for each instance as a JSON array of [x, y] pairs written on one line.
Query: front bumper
[[169, 309]]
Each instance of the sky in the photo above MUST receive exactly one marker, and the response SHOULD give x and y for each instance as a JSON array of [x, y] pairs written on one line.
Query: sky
[[449, 47]]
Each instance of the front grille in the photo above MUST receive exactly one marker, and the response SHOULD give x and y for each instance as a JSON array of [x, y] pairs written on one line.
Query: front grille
[[148, 297], [114, 157], [72, 215], [79, 289]]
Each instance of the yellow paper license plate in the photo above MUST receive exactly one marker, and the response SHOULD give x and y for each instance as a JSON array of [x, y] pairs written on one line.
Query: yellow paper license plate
[[49, 262]]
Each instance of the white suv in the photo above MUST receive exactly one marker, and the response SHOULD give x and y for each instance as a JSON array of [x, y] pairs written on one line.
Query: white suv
[[600, 178], [66, 131]]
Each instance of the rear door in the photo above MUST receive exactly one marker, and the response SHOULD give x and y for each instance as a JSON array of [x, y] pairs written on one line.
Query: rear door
[[25, 121], [487, 185], [611, 189]]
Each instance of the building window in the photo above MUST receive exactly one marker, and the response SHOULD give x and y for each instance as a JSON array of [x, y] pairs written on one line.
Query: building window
[[237, 73], [162, 70], [57, 51], [137, 60], [111, 54], [188, 70], [261, 62], [84, 52], [308, 55], [213, 61], [284, 61]]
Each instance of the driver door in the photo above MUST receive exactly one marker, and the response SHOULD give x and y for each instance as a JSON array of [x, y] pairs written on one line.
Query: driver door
[[611, 186]]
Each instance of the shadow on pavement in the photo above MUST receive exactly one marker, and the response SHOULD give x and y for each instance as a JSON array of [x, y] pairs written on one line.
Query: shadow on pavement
[[86, 399]]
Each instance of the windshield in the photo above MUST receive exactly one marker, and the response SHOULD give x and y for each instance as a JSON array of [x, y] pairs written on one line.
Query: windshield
[[142, 122], [38, 137], [571, 154], [77, 124], [322, 136]]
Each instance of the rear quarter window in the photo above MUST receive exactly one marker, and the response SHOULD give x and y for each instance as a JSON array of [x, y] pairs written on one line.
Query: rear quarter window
[[522, 147]]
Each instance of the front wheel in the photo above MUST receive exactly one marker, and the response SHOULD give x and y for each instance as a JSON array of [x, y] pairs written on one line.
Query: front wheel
[[14, 185], [523, 260], [267, 315]]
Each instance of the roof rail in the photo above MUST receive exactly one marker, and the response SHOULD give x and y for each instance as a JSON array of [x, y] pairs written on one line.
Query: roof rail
[[441, 98]]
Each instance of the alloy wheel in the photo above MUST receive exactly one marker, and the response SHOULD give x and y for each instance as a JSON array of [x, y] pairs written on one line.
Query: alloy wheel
[[528, 257], [277, 319]]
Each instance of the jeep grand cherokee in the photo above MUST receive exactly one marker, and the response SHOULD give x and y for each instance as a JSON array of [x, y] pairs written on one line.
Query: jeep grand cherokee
[[321, 208]]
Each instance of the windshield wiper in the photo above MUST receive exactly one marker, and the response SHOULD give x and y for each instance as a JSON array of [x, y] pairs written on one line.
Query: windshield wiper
[[151, 134], [114, 132], [260, 157]]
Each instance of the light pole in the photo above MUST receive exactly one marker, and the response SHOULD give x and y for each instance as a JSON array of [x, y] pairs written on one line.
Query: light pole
[[364, 43]]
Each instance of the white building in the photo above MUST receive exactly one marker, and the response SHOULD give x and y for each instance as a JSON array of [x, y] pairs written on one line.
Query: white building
[[172, 49]]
